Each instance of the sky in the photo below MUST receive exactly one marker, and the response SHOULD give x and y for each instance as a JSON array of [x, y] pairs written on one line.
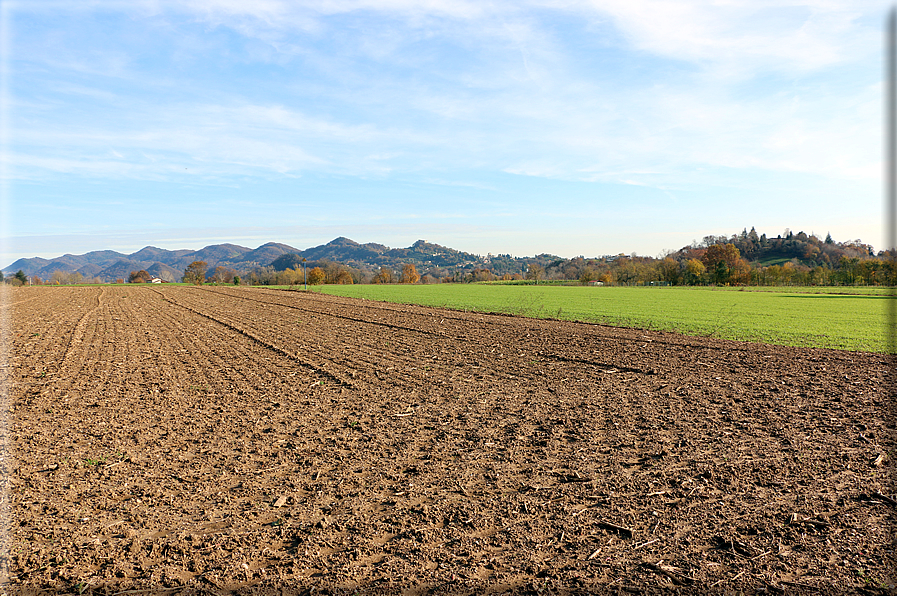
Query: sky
[[569, 127]]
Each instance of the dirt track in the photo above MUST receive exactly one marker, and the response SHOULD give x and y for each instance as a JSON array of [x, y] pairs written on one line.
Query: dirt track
[[241, 439]]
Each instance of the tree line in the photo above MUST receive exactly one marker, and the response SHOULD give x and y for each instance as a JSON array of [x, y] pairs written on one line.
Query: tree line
[[748, 258], [56, 278]]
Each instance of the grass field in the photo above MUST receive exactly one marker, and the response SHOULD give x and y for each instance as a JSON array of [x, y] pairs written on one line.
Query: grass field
[[840, 318]]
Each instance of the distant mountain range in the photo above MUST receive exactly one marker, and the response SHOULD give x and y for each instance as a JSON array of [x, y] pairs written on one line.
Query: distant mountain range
[[108, 265], [440, 262]]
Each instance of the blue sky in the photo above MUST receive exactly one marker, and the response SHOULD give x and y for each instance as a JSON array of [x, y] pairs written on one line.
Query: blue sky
[[523, 127]]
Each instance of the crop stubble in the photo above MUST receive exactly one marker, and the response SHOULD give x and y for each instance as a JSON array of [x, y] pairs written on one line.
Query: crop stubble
[[238, 439]]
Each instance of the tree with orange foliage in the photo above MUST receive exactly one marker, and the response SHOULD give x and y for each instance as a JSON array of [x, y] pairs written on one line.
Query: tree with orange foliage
[[384, 276], [195, 273], [725, 253], [724, 264], [409, 274], [316, 276]]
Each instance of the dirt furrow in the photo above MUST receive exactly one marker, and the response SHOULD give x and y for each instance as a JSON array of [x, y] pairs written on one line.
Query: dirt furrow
[[199, 451], [40, 332], [374, 353], [262, 339]]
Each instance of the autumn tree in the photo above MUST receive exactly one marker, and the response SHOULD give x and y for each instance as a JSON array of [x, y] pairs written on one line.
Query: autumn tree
[[195, 273], [669, 271], [725, 253], [343, 277], [316, 276], [384, 276], [724, 263], [289, 277], [223, 275], [139, 277], [61, 277], [482, 274], [588, 274], [535, 272], [634, 271], [694, 271], [409, 274]]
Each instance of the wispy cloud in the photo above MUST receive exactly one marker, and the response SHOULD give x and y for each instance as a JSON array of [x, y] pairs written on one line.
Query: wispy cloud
[[668, 95]]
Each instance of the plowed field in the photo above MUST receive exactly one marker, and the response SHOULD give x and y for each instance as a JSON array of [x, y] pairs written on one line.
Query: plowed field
[[232, 439]]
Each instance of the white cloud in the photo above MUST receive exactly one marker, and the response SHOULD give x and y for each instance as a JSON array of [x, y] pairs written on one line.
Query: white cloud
[[442, 86], [793, 35]]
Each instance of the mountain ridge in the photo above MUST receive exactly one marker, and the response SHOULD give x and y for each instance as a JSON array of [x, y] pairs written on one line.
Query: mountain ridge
[[110, 265], [441, 262]]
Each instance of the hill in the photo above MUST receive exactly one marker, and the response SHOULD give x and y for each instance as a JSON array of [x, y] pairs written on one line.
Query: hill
[[108, 265], [763, 257], [374, 256], [439, 262], [800, 249]]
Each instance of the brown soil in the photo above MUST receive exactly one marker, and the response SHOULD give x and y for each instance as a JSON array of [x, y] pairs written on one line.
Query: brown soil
[[231, 439]]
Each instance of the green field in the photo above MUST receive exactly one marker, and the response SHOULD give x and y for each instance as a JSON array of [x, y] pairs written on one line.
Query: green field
[[841, 318]]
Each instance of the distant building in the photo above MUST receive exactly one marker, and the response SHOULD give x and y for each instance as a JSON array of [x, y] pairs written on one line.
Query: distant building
[[157, 280]]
